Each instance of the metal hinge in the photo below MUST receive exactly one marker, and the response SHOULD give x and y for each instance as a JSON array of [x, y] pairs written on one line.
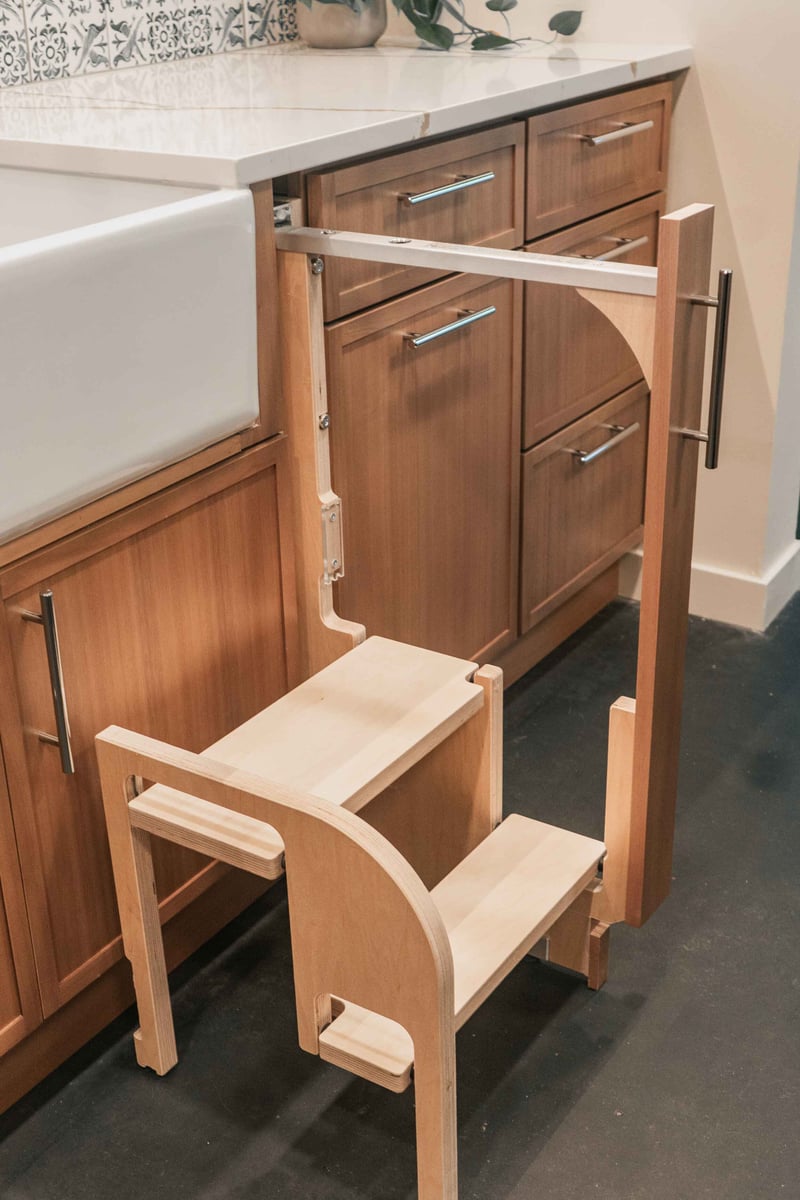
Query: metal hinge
[[332, 556]]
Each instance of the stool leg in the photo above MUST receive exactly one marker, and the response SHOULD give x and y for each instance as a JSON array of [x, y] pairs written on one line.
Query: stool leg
[[144, 945], [435, 1100], [132, 860]]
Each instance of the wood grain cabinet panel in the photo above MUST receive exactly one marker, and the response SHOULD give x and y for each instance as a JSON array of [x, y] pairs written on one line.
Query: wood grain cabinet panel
[[372, 198], [172, 620], [570, 178], [578, 519], [20, 1011], [574, 357], [425, 455]]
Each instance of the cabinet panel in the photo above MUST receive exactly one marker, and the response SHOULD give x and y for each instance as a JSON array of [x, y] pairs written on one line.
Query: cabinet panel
[[424, 447], [19, 1001], [171, 621], [588, 158], [578, 519], [574, 357], [373, 198]]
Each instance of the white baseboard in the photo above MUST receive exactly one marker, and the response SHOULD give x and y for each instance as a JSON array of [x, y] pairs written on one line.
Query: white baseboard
[[724, 595]]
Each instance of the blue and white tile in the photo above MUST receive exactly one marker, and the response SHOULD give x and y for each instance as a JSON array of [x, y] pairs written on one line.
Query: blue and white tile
[[67, 37], [228, 26], [14, 60], [271, 21]]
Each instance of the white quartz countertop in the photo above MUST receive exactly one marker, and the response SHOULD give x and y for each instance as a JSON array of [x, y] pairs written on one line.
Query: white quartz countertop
[[232, 119]]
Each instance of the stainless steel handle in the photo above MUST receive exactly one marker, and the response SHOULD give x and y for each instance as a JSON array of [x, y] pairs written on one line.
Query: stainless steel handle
[[625, 130], [47, 619], [421, 339], [447, 189], [723, 307], [623, 246], [722, 303], [621, 432]]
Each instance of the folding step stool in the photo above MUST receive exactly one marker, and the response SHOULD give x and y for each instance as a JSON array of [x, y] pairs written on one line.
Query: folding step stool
[[404, 919]]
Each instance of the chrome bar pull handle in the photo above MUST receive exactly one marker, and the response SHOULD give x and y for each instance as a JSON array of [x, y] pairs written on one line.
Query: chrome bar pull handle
[[723, 306], [626, 130], [621, 433], [623, 246], [722, 303], [469, 318], [447, 189], [61, 738]]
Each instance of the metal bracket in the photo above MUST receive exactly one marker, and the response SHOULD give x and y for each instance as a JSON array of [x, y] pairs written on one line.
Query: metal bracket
[[332, 555]]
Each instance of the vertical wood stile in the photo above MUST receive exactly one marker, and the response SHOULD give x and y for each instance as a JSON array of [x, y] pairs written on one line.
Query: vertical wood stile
[[683, 271]]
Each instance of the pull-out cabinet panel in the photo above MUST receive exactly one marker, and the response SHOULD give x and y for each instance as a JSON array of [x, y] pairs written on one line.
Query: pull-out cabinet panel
[[587, 158], [425, 455], [469, 189], [574, 357], [581, 511]]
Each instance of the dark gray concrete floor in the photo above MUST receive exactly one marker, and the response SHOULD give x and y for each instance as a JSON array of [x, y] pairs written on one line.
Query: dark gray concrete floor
[[678, 1081]]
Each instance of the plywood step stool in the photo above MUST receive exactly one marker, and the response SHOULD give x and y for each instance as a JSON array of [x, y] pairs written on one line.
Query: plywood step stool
[[385, 969], [406, 916]]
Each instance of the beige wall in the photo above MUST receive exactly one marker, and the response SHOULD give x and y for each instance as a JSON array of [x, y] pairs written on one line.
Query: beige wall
[[736, 144]]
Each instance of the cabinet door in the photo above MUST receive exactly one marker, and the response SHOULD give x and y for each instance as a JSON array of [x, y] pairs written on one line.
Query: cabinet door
[[20, 1011], [574, 357], [424, 450], [171, 620], [578, 517]]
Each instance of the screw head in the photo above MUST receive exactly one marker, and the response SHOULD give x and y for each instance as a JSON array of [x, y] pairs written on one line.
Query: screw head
[[325, 421], [332, 516], [317, 265], [335, 564]]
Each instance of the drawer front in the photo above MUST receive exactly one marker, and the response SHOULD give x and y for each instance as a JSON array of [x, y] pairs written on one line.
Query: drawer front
[[574, 357], [577, 519], [425, 456], [571, 178], [391, 195]]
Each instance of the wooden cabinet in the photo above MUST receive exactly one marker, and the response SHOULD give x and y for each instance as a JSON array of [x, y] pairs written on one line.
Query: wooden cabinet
[[20, 1011], [172, 620], [424, 442], [425, 452], [581, 510]]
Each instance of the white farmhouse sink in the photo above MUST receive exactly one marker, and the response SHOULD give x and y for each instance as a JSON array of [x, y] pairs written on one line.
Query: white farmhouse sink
[[127, 333]]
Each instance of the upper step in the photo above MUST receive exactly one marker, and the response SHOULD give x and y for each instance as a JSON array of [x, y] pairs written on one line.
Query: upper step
[[343, 735], [495, 905], [359, 724]]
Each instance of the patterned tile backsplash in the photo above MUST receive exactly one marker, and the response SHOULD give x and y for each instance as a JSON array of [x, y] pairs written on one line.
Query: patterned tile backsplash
[[48, 39]]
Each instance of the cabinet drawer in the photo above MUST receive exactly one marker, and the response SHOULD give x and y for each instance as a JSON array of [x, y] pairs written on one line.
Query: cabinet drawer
[[574, 357], [424, 451], [571, 177], [400, 194], [577, 519]]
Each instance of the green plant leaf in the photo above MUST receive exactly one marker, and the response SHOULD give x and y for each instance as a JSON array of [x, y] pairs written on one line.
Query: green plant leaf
[[567, 22], [501, 5], [491, 41], [436, 35]]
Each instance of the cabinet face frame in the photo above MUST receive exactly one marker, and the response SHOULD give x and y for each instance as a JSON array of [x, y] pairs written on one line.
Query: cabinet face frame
[[58, 984]]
